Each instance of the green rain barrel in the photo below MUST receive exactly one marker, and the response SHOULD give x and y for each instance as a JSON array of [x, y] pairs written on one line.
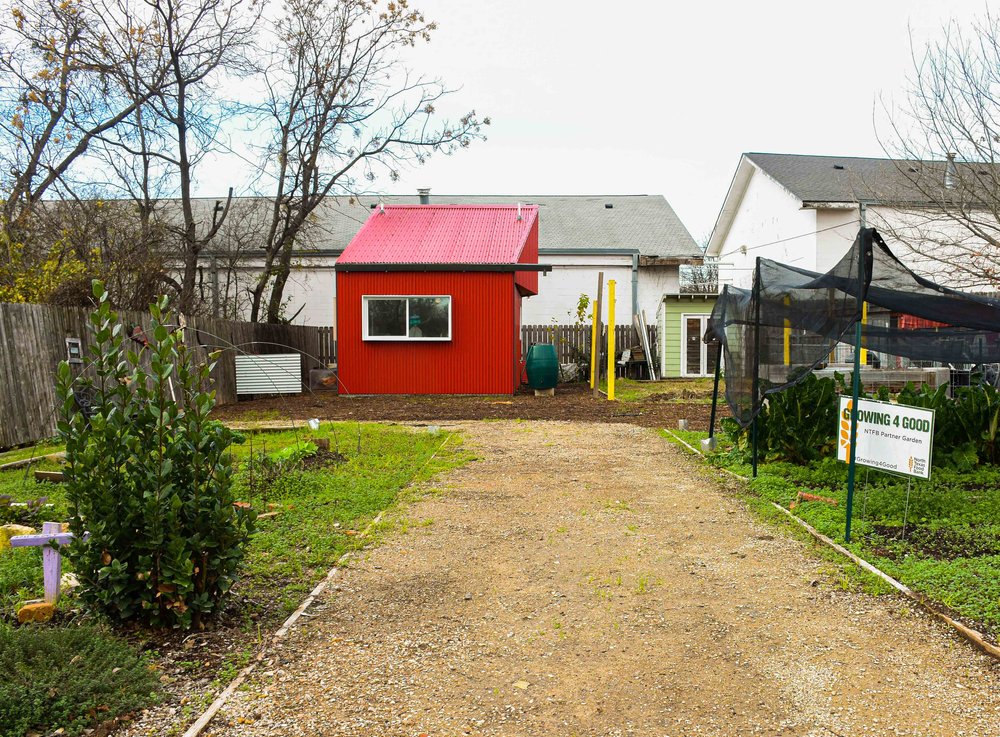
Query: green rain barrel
[[542, 366]]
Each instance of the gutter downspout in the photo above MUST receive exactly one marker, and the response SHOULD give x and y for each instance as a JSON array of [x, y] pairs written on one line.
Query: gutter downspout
[[635, 283]]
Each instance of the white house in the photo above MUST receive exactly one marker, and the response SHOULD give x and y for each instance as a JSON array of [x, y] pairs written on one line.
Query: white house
[[805, 211], [637, 240]]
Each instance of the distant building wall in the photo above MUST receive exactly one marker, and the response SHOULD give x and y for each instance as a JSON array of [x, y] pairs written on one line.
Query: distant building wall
[[771, 224]]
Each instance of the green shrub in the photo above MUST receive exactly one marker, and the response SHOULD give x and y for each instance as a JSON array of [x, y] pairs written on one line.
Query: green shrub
[[68, 677], [149, 477], [965, 428]]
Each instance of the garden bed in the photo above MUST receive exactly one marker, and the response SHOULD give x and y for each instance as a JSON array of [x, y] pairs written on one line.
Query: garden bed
[[313, 508], [645, 403], [942, 542]]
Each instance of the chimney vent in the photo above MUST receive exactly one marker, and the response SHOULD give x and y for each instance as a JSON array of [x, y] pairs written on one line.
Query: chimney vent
[[424, 194], [950, 173]]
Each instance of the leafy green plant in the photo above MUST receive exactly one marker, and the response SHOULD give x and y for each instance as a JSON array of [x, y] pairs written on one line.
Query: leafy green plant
[[295, 452], [801, 421], [797, 424], [29, 513], [69, 678], [148, 476], [966, 428]]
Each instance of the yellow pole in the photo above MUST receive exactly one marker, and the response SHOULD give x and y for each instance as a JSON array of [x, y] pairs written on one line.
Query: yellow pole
[[788, 334], [864, 321], [611, 339], [593, 343]]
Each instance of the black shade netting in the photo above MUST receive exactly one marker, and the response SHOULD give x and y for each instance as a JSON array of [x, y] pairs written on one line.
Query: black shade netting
[[791, 321]]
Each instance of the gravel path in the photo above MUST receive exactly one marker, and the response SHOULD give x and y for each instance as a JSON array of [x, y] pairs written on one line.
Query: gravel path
[[587, 579]]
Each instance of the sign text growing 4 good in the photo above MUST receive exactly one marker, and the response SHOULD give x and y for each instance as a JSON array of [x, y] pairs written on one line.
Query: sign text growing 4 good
[[891, 437]]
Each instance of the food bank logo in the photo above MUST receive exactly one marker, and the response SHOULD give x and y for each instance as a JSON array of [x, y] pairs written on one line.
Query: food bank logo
[[845, 428]]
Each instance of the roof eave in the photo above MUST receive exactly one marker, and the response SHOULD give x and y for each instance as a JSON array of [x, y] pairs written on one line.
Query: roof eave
[[453, 267], [731, 205]]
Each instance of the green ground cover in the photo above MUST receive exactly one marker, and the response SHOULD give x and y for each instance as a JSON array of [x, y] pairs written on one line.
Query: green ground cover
[[318, 506], [943, 541], [680, 390], [324, 502]]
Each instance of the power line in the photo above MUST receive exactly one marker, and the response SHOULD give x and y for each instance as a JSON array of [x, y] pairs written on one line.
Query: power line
[[746, 249]]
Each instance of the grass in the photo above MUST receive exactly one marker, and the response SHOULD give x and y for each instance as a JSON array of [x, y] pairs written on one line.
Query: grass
[[41, 449], [322, 511], [943, 541]]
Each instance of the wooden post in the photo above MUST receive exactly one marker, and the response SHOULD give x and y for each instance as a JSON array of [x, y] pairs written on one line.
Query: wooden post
[[611, 340], [595, 345]]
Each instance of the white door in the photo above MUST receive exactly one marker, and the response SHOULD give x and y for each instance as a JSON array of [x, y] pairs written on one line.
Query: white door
[[697, 357]]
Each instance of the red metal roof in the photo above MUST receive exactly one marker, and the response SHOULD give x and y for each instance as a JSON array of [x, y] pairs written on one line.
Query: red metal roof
[[443, 234]]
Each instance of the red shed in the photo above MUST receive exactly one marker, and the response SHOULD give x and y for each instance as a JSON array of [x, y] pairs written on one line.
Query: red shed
[[429, 299]]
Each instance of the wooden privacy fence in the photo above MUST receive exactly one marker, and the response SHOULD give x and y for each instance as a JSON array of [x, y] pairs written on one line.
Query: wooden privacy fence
[[33, 342], [327, 351], [572, 342]]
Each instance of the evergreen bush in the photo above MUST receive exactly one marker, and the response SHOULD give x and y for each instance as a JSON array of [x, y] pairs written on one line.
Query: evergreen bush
[[149, 477]]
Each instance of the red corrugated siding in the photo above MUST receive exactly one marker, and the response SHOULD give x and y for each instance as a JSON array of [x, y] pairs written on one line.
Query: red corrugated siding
[[477, 360], [528, 280], [518, 348]]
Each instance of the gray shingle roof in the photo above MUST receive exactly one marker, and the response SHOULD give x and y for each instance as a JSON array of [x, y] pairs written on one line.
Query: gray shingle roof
[[643, 222], [850, 178]]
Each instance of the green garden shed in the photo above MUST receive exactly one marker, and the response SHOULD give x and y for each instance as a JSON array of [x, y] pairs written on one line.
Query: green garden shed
[[681, 322]]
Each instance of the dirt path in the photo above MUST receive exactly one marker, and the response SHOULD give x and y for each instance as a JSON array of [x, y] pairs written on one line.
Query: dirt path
[[589, 580]]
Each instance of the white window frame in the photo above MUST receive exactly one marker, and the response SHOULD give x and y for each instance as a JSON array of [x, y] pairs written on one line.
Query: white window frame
[[703, 347], [366, 298]]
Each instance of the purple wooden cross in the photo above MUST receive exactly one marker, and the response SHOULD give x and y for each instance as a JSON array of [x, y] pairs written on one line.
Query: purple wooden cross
[[51, 559]]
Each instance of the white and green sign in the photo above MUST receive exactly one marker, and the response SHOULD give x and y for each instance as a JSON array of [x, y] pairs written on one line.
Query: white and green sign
[[891, 437]]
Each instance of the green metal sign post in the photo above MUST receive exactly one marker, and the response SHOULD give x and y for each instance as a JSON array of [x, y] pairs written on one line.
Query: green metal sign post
[[855, 394]]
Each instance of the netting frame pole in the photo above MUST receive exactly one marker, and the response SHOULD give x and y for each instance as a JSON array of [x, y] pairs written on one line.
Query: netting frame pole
[[855, 393], [715, 391], [756, 363]]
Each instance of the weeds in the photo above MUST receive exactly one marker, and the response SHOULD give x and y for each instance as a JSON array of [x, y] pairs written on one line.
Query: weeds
[[68, 677]]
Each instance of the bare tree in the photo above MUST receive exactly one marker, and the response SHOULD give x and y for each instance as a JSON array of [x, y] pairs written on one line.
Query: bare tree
[[106, 240], [343, 110], [158, 150], [700, 278], [61, 87], [127, 92], [941, 196]]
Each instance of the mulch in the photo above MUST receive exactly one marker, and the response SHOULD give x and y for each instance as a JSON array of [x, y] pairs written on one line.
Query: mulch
[[571, 402]]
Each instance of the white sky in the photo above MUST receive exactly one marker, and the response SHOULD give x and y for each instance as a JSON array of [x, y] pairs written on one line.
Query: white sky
[[661, 97]]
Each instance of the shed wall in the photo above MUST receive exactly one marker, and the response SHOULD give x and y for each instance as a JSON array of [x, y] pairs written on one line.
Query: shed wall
[[671, 317], [481, 357]]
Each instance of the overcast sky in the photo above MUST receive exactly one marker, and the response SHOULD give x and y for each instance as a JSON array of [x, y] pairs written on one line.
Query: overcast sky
[[662, 97]]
